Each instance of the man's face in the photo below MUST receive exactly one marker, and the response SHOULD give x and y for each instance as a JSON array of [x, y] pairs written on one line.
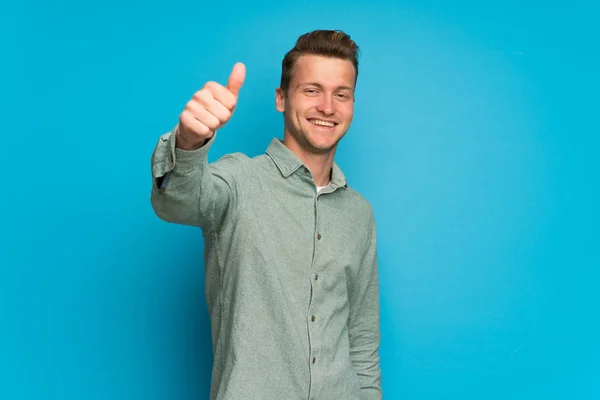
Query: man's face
[[319, 104]]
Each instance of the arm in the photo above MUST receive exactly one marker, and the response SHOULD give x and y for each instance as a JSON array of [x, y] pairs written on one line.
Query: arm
[[187, 190], [364, 324]]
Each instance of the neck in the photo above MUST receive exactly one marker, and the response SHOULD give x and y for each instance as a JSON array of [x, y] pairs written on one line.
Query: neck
[[319, 164]]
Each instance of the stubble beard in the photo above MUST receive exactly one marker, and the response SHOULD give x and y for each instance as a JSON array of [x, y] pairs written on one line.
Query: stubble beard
[[303, 139]]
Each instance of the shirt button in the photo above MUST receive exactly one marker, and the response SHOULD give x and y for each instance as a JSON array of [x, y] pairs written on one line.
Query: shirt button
[[314, 360], [313, 318], [316, 277], [318, 236]]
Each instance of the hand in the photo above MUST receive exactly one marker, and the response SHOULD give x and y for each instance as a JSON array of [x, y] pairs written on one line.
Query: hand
[[209, 109]]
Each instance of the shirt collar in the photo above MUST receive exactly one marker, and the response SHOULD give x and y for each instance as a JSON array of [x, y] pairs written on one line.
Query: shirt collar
[[288, 163]]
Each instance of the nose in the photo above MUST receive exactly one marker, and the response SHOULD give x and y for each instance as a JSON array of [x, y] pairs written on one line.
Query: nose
[[326, 106]]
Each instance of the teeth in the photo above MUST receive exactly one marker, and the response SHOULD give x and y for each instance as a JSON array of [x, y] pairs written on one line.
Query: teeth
[[322, 123]]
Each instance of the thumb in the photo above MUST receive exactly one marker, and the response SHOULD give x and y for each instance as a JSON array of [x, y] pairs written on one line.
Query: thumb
[[236, 79]]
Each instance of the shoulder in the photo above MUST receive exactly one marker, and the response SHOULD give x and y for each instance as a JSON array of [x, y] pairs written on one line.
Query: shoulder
[[359, 203], [239, 159], [241, 166], [257, 165], [231, 162]]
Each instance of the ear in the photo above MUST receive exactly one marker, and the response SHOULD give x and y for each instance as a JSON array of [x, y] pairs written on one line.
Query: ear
[[279, 100]]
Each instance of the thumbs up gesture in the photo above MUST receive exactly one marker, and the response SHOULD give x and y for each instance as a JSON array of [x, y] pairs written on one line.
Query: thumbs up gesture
[[208, 110]]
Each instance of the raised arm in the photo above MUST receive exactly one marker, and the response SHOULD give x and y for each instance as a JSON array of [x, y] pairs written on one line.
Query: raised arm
[[185, 188]]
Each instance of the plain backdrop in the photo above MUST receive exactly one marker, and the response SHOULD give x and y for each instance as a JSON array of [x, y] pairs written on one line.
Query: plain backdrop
[[475, 138]]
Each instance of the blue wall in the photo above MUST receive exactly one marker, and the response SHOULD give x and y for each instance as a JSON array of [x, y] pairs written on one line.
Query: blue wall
[[475, 138]]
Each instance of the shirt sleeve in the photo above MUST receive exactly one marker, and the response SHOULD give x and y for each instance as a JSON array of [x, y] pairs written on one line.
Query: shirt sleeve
[[364, 322], [187, 190]]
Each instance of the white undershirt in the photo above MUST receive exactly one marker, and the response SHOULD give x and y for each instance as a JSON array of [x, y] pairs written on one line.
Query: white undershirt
[[319, 188]]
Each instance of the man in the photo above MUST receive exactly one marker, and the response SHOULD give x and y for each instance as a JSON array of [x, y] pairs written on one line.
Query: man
[[290, 249]]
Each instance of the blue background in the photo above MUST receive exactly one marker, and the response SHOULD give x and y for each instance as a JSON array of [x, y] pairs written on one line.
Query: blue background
[[475, 138]]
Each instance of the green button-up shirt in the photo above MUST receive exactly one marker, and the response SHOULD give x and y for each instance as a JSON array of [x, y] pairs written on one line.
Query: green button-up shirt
[[291, 273]]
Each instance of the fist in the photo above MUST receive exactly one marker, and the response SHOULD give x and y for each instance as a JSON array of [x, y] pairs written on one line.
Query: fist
[[208, 110]]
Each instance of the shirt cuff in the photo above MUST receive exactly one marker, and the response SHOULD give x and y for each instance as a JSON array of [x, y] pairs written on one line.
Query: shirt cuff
[[168, 158]]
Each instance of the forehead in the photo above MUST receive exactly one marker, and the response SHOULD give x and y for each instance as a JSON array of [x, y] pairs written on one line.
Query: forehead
[[327, 71]]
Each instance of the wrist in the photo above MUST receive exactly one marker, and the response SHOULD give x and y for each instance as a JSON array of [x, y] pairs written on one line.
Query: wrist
[[182, 143]]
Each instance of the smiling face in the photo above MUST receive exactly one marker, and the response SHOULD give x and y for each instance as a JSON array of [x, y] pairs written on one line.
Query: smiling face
[[318, 106]]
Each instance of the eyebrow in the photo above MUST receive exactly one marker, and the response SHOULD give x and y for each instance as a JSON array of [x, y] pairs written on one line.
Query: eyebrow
[[321, 86]]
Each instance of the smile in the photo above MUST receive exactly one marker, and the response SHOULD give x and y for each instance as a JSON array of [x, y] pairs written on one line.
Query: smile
[[320, 122]]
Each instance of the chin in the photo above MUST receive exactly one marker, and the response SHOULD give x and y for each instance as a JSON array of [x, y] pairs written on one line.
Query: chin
[[316, 140], [322, 145]]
